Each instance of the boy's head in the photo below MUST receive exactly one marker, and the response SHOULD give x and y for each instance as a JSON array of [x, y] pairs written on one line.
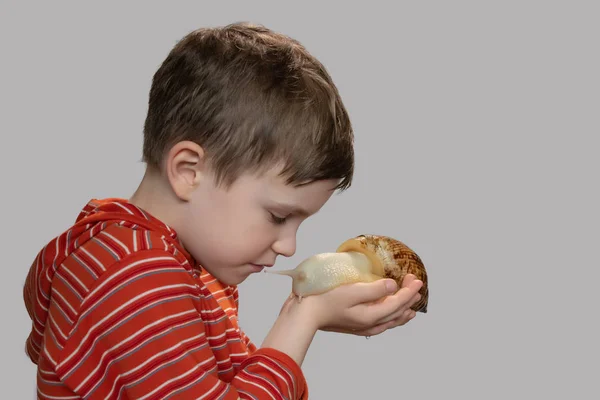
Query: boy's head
[[252, 98], [243, 123]]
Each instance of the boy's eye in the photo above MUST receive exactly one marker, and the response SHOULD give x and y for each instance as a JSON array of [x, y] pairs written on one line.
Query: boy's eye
[[277, 220]]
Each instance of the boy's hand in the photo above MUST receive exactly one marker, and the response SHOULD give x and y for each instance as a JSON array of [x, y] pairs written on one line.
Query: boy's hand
[[365, 309]]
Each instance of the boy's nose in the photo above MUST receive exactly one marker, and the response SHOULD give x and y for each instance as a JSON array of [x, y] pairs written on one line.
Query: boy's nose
[[285, 246]]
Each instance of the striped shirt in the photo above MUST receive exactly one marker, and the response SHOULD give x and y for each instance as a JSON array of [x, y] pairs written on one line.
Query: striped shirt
[[120, 310]]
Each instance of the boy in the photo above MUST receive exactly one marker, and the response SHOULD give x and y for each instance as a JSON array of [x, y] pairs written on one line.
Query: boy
[[246, 137]]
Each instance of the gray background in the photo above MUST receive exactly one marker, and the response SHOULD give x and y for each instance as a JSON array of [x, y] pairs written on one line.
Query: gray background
[[476, 139]]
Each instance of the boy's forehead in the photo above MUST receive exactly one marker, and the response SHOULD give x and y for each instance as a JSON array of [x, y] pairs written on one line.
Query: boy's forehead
[[303, 198], [325, 185], [273, 187]]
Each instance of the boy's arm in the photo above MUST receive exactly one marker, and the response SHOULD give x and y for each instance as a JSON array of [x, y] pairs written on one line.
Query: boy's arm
[[293, 331], [141, 335]]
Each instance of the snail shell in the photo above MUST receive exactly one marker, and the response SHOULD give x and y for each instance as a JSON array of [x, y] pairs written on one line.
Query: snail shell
[[391, 258], [364, 258]]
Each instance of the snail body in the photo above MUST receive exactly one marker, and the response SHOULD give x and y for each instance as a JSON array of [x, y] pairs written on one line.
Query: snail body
[[322, 272], [365, 258]]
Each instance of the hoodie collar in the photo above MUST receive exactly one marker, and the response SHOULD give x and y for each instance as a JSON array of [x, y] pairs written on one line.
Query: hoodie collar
[[114, 208]]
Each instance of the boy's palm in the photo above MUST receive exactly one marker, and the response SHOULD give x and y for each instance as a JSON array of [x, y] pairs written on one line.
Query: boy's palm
[[365, 309]]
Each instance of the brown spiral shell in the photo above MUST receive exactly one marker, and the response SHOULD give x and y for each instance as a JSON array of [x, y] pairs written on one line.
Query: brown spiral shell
[[395, 260]]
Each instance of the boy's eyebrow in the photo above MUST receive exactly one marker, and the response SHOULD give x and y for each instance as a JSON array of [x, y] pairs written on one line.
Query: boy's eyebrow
[[293, 209]]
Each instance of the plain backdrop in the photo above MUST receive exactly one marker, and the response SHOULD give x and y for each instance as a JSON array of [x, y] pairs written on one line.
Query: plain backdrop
[[477, 129]]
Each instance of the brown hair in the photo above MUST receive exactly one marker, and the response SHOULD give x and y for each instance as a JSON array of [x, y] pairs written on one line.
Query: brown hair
[[252, 98]]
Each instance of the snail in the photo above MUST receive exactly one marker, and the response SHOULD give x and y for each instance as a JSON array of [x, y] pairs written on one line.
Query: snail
[[364, 258]]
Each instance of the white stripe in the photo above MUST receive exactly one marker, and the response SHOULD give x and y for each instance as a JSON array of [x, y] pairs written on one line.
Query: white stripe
[[93, 258], [279, 375], [52, 322], [210, 391], [38, 320], [39, 261], [266, 382], [47, 372], [49, 356], [143, 213], [62, 312], [247, 395], [38, 278], [193, 369], [54, 262], [40, 304], [84, 264], [55, 339], [129, 339], [67, 236], [57, 397], [210, 311], [36, 352], [49, 379], [126, 269], [57, 293], [103, 244], [216, 337], [117, 241], [135, 246], [124, 283], [116, 311], [257, 385], [192, 383], [155, 368], [67, 283], [123, 207], [274, 372], [35, 328]]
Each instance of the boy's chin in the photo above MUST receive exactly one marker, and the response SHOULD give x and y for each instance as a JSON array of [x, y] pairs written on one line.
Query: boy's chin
[[236, 279], [236, 275]]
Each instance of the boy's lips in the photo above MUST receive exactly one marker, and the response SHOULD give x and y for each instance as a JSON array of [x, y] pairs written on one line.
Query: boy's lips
[[262, 265]]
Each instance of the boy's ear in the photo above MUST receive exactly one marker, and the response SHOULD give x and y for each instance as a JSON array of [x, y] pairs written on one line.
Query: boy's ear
[[185, 166]]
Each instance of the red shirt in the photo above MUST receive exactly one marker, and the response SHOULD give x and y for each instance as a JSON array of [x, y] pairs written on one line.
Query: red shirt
[[120, 309]]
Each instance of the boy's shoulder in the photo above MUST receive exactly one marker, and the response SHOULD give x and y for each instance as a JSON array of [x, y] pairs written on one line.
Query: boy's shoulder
[[110, 242], [109, 231]]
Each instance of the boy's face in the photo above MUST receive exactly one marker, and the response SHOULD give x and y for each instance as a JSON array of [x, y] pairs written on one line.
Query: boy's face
[[236, 231]]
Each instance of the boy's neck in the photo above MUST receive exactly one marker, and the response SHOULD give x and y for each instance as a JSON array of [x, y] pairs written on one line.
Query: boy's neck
[[155, 196]]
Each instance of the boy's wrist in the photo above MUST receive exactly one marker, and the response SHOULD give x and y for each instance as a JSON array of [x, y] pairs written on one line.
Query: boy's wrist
[[293, 330], [303, 311]]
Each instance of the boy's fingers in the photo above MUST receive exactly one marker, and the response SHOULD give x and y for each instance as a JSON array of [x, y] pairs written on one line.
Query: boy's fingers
[[359, 293], [381, 327], [408, 279], [402, 300], [404, 311], [384, 326]]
